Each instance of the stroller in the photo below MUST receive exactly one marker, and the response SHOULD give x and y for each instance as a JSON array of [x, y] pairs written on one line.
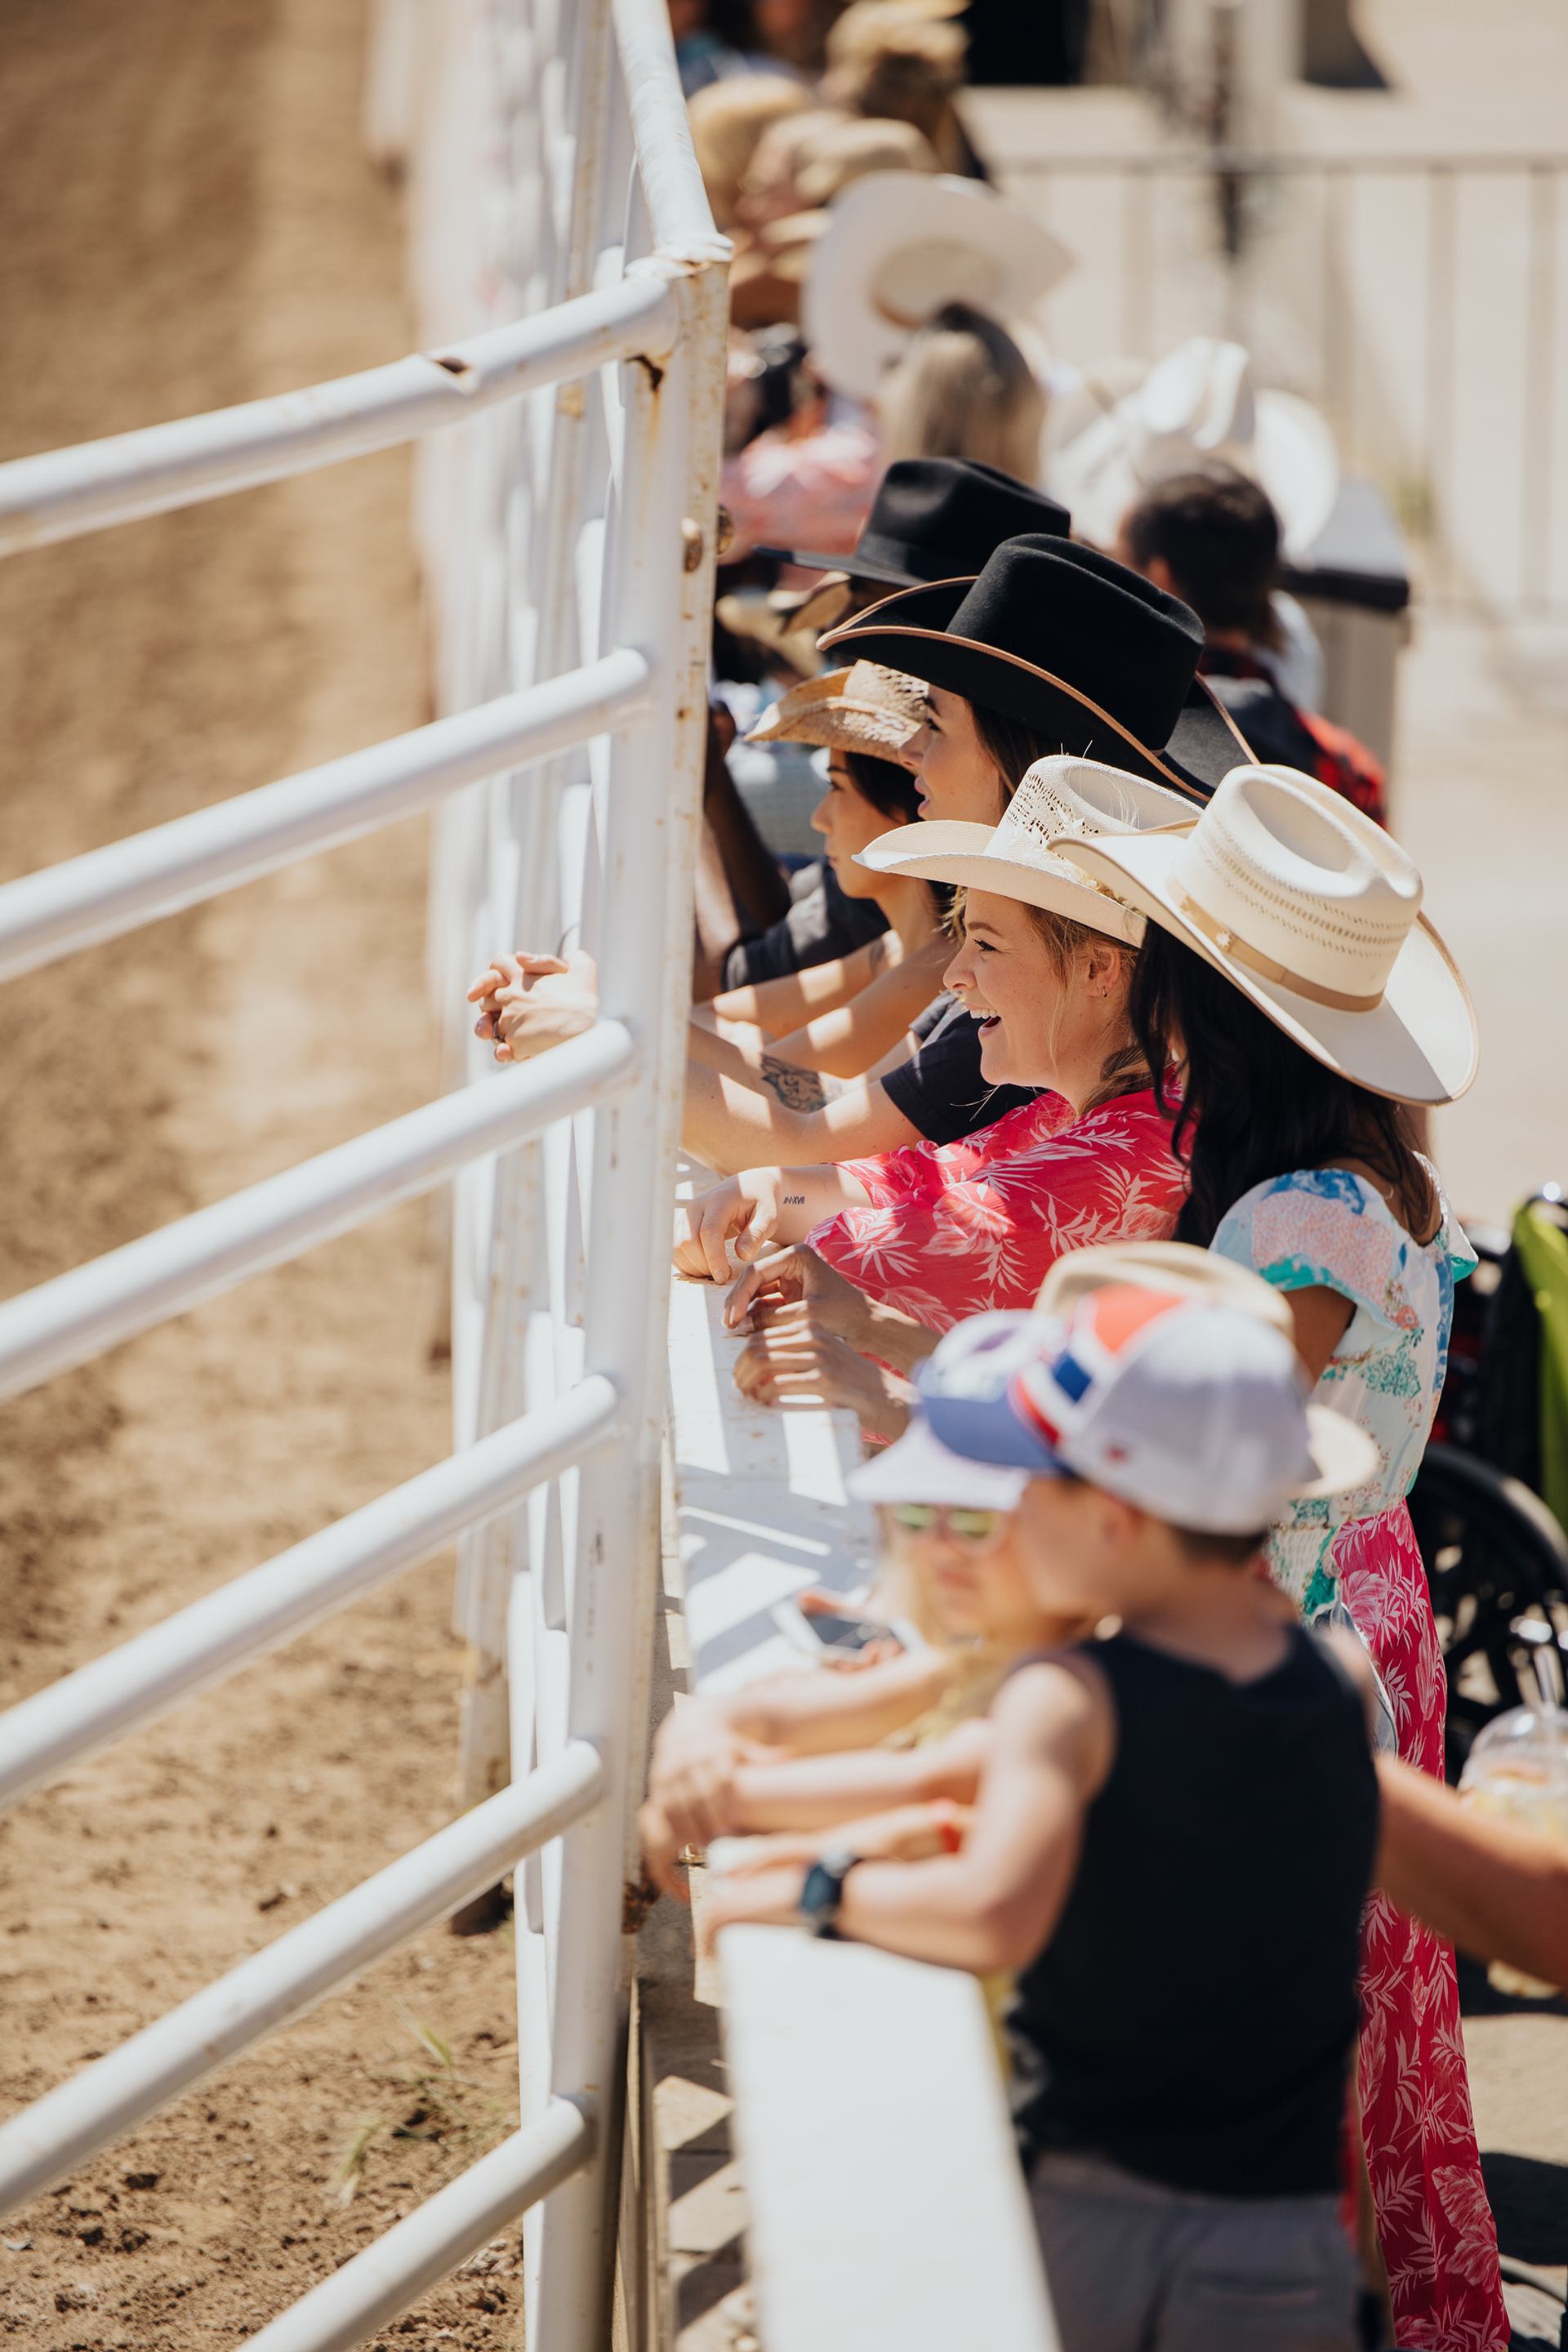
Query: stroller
[[1491, 1499]]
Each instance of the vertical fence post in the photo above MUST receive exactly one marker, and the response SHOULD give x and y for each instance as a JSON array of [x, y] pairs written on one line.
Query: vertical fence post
[[659, 592], [1439, 357], [1541, 334]]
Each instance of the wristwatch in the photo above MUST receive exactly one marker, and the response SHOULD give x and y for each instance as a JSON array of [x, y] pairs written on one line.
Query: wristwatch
[[822, 1894]]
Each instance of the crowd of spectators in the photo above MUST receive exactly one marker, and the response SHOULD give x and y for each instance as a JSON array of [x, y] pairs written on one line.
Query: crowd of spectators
[[1062, 1114]]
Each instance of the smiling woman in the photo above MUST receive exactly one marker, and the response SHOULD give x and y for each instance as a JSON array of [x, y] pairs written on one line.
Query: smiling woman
[[938, 1231]]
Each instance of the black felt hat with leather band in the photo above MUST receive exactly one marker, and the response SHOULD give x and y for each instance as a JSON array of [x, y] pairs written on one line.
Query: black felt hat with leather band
[[1099, 662], [935, 517]]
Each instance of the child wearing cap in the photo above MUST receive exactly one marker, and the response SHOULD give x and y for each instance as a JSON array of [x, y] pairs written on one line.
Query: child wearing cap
[[1174, 1831]]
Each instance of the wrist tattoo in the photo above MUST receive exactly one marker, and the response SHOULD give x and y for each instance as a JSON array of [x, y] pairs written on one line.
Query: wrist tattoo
[[795, 1199], [796, 1089]]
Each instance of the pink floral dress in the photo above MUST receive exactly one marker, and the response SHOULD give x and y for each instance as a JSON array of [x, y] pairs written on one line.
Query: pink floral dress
[[955, 1228], [1326, 1227]]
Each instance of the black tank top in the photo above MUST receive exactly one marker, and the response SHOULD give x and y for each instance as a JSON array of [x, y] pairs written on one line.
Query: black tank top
[[1192, 2017]]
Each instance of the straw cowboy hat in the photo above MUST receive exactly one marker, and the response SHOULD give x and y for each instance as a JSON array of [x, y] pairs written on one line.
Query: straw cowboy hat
[[1314, 913], [901, 245], [1016, 858], [862, 708], [1089, 654], [1197, 405], [1177, 1267]]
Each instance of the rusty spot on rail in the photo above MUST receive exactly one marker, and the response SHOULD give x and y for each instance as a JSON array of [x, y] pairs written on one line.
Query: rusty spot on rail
[[463, 371], [654, 375], [638, 1896]]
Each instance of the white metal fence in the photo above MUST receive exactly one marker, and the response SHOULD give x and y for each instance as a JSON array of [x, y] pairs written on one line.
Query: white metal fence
[[575, 628]]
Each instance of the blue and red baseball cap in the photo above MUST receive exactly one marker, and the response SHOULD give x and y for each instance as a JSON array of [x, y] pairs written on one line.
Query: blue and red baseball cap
[[1192, 1408]]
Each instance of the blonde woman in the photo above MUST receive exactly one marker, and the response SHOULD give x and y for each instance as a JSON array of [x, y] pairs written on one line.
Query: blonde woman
[[964, 389]]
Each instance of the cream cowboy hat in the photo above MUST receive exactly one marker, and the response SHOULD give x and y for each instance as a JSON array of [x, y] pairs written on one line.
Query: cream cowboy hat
[[1196, 405], [1021, 857], [1313, 912], [862, 708], [901, 245]]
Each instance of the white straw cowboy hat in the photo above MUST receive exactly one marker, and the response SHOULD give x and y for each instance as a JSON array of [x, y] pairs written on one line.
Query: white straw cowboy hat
[[901, 245], [1021, 857], [1196, 405], [862, 708], [1313, 912]]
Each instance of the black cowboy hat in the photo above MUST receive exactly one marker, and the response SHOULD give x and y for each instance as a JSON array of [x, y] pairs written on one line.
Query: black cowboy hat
[[1090, 654], [934, 518]]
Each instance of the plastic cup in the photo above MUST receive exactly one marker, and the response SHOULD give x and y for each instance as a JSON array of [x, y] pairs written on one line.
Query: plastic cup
[[1518, 1771]]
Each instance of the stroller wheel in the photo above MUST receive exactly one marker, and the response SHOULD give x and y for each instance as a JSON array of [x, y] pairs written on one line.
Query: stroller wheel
[[1497, 1563]]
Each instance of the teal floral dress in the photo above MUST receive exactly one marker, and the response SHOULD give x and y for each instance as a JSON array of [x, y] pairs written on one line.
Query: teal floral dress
[[1325, 1227]]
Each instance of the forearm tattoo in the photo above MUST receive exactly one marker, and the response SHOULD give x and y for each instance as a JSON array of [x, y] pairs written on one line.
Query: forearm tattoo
[[796, 1089]]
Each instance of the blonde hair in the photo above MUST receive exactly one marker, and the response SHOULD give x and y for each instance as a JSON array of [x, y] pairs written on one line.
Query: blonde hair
[[964, 389]]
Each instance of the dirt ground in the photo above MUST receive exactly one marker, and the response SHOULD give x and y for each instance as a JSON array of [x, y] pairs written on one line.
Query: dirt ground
[[188, 221]]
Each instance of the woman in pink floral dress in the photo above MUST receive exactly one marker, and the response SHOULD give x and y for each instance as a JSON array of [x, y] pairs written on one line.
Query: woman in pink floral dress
[[1289, 971], [940, 1232]]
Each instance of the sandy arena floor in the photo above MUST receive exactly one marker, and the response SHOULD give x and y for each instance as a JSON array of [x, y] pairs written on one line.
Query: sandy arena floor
[[188, 223]]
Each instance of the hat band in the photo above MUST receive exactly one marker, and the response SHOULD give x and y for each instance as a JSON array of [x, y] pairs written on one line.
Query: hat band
[[1254, 960]]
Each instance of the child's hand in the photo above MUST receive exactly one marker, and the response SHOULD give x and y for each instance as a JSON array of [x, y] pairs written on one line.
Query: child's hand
[[770, 1898], [904, 1833], [740, 1216], [691, 1779]]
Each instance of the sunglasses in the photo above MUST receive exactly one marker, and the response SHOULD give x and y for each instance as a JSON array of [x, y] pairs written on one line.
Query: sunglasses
[[975, 1528]]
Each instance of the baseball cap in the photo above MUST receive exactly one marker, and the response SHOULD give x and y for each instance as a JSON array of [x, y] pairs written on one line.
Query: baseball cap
[[920, 1469], [1191, 1410]]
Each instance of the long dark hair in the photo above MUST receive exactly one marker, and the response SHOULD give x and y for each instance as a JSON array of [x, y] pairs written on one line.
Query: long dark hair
[[1011, 747], [1254, 1103], [889, 788]]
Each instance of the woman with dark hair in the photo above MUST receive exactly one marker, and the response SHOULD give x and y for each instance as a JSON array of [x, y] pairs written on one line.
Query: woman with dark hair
[[841, 1019], [1289, 974]]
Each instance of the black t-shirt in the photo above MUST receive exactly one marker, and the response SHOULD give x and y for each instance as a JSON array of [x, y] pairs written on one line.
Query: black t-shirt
[[1194, 2014], [821, 923], [941, 1089]]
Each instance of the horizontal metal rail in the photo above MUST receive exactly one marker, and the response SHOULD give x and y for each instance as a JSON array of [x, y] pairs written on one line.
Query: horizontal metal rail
[[86, 900], [257, 1611], [429, 2245], [111, 1298], [1265, 162], [62, 493], [46, 2142]]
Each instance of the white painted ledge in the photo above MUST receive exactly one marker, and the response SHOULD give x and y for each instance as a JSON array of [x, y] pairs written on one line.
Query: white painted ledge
[[887, 2207]]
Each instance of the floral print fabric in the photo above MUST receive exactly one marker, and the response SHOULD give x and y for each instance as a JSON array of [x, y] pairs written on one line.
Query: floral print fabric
[[955, 1228], [1325, 1226]]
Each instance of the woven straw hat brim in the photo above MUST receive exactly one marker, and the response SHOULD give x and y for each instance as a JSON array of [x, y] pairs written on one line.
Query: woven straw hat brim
[[1419, 1046], [945, 850], [839, 726]]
